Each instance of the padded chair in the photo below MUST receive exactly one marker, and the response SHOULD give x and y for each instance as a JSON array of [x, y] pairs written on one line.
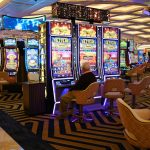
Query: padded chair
[[85, 97], [113, 89], [136, 123], [33, 77]]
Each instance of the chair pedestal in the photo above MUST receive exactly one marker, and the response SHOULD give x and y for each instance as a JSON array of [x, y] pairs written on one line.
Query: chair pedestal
[[81, 117]]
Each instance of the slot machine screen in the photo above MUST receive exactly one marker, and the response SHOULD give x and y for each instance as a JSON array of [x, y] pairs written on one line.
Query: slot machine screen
[[32, 59], [122, 58], [11, 59], [140, 56], [110, 57], [10, 42], [33, 42], [88, 52], [123, 44], [61, 57]]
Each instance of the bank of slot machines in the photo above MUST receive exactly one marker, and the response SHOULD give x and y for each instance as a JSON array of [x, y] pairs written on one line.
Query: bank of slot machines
[[110, 52], [66, 51], [11, 56]]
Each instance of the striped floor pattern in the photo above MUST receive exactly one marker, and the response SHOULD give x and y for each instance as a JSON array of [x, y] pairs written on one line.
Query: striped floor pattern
[[104, 133]]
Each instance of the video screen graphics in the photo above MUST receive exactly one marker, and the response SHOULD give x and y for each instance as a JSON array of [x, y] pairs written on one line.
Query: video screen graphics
[[61, 57], [110, 57], [88, 52]]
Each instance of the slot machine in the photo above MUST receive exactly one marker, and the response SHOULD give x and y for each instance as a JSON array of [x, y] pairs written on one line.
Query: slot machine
[[60, 60], [32, 56], [11, 56], [110, 52], [88, 48]]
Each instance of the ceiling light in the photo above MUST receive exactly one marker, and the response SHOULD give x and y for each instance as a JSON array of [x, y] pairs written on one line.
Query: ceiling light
[[102, 6], [123, 29], [147, 30], [144, 36], [123, 17], [137, 26], [144, 19], [132, 32], [127, 8], [120, 24]]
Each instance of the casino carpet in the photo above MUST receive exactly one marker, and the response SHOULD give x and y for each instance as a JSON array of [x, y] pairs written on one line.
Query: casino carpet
[[104, 133]]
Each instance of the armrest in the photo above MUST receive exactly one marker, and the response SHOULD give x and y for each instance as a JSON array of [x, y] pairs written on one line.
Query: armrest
[[143, 113]]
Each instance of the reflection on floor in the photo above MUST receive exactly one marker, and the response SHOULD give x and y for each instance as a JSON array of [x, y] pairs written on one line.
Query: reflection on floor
[[8, 143]]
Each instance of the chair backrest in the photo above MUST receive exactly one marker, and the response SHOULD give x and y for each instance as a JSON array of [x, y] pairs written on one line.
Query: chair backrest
[[114, 85], [137, 87], [33, 77], [87, 96], [134, 124]]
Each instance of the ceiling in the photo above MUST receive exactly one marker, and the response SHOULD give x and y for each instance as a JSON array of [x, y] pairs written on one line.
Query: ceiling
[[125, 14]]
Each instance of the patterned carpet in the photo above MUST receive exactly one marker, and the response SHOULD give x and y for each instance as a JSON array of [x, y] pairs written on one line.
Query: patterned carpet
[[104, 133]]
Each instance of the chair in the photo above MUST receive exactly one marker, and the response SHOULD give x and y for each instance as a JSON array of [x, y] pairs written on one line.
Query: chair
[[113, 89], [85, 97], [3, 79], [138, 88], [136, 123]]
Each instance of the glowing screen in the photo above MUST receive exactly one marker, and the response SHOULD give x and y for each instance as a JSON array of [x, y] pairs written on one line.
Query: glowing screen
[[33, 42], [122, 58], [61, 57], [110, 57], [11, 62], [10, 42], [88, 52], [32, 59]]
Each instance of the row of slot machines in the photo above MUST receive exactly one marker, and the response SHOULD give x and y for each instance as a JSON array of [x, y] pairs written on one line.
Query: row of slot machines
[[9, 56], [130, 56], [67, 46]]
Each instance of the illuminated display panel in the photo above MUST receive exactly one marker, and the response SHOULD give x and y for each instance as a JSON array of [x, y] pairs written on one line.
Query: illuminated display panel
[[110, 57], [122, 58], [61, 57], [87, 31], [11, 62], [31, 24], [110, 33], [123, 44], [33, 42], [140, 57], [131, 45], [133, 58], [32, 59], [60, 28], [10, 42], [88, 52]]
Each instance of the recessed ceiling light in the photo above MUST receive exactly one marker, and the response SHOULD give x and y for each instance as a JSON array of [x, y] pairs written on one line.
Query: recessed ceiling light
[[147, 30], [137, 26], [120, 23], [102, 6], [132, 32], [144, 36], [145, 19], [127, 8], [123, 17]]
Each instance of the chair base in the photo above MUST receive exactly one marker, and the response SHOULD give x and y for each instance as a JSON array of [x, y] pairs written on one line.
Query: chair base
[[82, 119]]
